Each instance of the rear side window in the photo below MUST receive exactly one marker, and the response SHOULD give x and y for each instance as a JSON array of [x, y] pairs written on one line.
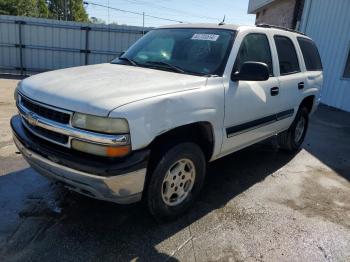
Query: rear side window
[[254, 48], [311, 55], [287, 55]]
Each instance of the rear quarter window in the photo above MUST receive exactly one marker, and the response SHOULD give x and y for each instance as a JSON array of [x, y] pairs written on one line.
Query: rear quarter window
[[311, 55]]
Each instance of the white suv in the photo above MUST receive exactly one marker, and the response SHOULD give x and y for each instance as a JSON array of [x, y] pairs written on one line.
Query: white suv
[[146, 124]]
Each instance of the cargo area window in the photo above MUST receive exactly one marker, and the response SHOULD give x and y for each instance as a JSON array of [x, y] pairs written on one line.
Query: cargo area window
[[287, 55], [311, 55]]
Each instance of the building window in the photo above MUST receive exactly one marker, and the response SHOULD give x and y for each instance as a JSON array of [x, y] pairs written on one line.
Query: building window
[[287, 55], [347, 67]]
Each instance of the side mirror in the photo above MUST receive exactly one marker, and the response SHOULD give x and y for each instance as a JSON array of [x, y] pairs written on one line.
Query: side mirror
[[252, 71]]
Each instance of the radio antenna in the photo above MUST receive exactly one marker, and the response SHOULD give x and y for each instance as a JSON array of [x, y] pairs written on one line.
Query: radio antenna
[[223, 21]]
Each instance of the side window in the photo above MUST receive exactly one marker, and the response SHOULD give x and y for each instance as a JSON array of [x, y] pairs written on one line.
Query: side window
[[310, 53], [347, 67], [254, 48], [287, 55]]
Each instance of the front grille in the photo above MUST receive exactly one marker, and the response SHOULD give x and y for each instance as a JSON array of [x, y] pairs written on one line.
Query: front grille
[[53, 136], [48, 113]]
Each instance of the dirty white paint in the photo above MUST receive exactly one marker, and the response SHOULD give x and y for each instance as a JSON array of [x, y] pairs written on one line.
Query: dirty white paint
[[259, 204]]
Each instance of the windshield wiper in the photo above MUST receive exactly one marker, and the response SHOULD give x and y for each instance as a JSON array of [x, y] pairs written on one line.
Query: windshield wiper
[[167, 65], [124, 58], [178, 69], [208, 75]]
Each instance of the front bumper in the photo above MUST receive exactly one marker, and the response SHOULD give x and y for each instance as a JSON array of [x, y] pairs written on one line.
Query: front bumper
[[121, 182]]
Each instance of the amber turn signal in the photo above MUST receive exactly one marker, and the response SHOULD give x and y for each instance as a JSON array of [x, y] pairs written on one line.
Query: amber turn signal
[[101, 150], [118, 151]]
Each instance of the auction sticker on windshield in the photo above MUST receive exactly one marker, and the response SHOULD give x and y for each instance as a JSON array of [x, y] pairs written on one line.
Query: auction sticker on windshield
[[205, 37]]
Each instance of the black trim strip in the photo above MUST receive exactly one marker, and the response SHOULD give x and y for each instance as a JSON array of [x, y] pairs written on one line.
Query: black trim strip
[[284, 114], [242, 128]]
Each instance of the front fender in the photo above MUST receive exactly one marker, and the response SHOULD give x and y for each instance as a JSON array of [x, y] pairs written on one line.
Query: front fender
[[151, 117]]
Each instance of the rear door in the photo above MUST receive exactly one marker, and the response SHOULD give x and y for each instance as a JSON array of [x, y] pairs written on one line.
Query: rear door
[[313, 66], [291, 77]]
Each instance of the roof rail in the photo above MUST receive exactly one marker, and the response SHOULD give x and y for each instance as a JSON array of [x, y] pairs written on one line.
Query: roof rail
[[279, 27]]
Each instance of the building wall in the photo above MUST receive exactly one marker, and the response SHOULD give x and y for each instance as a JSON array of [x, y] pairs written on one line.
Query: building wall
[[278, 13], [257, 4], [328, 24]]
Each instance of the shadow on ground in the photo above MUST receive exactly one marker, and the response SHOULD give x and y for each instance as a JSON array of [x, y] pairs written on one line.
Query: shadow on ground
[[328, 139], [64, 224]]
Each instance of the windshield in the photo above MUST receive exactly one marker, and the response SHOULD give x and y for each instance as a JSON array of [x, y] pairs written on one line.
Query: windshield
[[182, 50]]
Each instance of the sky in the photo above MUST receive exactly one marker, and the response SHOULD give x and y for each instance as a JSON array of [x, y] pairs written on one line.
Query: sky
[[205, 11]]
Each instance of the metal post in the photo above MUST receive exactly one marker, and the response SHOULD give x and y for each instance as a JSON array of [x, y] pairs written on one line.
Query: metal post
[[70, 10], [86, 51], [143, 23], [20, 45], [65, 10]]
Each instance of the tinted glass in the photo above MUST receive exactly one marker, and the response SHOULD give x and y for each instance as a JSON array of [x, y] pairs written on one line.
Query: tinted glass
[[254, 48], [347, 67], [287, 55], [310, 53], [198, 51]]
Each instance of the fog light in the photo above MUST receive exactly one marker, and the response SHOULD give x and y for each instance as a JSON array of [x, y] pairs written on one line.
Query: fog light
[[100, 150]]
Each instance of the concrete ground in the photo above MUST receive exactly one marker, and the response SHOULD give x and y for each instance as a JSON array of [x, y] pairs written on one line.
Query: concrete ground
[[259, 204]]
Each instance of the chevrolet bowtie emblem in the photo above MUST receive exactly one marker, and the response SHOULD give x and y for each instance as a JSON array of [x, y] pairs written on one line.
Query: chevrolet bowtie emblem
[[32, 118]]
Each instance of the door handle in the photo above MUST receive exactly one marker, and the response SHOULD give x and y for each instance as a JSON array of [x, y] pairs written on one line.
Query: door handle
[[301, 85], [274, 91]]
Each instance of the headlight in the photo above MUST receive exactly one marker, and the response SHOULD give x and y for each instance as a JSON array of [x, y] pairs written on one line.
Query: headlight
[[101, 150], [100, 124]]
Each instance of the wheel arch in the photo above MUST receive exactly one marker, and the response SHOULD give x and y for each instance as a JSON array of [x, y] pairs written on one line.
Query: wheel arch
[[308, 102], [201, 133]]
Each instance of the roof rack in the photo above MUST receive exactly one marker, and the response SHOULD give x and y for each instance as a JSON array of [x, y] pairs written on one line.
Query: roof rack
[[279, 27]]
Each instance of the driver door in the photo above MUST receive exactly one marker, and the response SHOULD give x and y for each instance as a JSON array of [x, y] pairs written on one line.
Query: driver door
[[251, 106]]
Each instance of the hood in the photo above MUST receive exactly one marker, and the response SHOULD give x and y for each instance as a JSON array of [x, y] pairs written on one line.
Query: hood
[[98, 89]]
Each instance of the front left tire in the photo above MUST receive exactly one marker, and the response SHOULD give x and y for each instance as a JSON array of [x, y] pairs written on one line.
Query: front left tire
[[176, 181]]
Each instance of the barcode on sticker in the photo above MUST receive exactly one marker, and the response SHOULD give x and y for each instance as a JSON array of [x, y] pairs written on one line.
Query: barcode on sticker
[[205, 37]]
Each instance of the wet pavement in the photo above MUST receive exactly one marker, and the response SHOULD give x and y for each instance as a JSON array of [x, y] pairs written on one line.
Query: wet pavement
[[259, 204]]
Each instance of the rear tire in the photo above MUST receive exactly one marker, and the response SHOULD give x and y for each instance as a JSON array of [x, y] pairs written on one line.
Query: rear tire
[[292, 138], [176, 181]]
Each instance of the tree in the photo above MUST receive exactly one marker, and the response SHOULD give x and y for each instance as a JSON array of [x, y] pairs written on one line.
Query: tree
[[8, 7], [96, 20], [72, 10], [78, 12], [43, 10], [34, 8]]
